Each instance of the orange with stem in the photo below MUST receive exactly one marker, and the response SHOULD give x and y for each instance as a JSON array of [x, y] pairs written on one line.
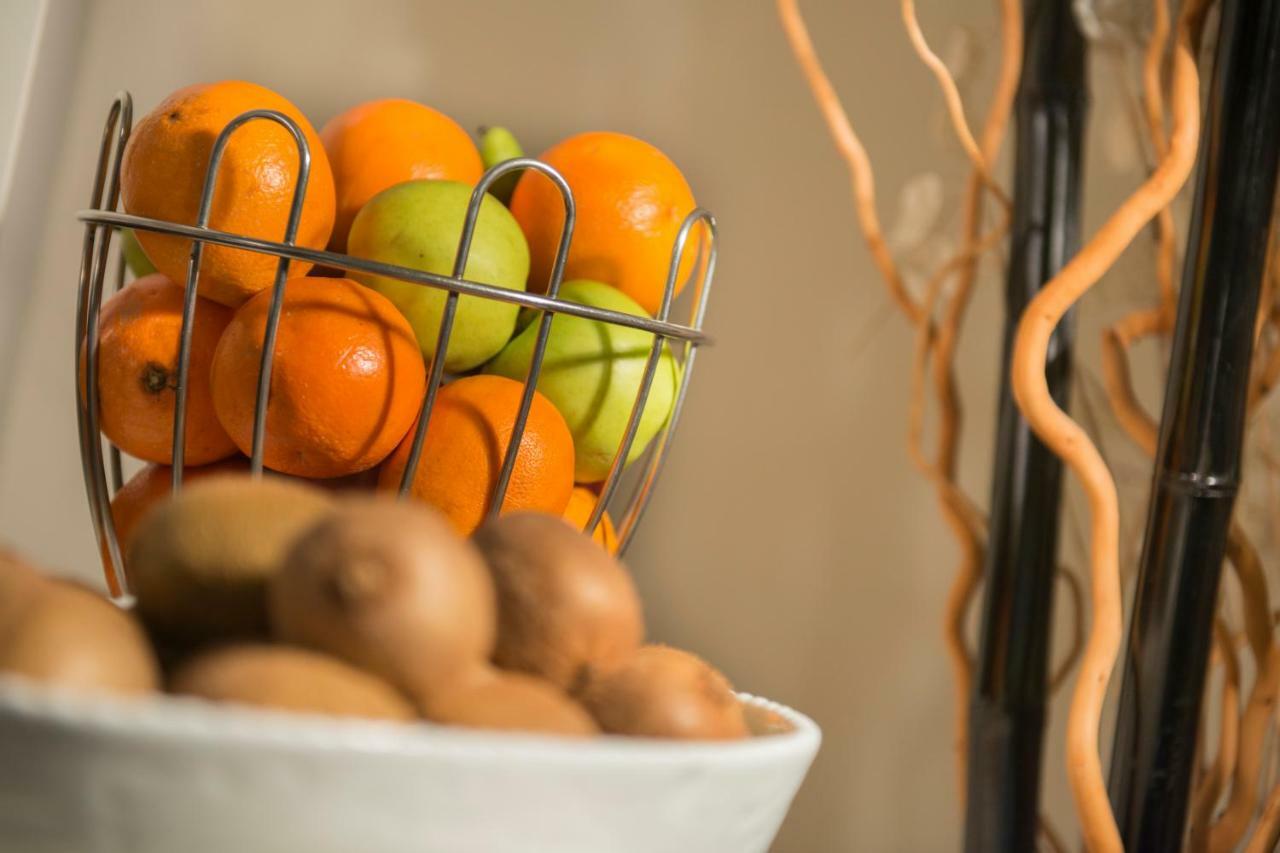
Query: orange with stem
[[138, 341]]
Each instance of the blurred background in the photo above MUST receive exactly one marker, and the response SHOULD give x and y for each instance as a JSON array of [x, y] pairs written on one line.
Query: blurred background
[[791, 541]]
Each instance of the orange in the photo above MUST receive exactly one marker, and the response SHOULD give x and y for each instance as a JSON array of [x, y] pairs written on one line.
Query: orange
[[346, 382], [162, 177], [379, 144], [578, 513], [467, 437], [631, 200], [138, 340], [149, 486]]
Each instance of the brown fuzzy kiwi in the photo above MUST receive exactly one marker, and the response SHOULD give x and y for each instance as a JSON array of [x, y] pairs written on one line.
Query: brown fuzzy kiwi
[[289, 679], [390, 587], [566, 608], [666, 693], [18, 581], [487, 698], [763, 721], [199, 562], [70, 636]]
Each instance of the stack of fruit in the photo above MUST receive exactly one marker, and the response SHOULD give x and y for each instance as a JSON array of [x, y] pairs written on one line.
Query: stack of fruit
[[390, 181], [280, 592], [277, 594]]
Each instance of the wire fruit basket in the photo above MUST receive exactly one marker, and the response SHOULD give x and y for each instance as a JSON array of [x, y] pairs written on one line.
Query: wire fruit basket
[[102, 220]]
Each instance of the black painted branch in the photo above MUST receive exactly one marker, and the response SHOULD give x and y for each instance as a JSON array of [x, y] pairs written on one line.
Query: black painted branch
[[1197, 472], [1007, 712]]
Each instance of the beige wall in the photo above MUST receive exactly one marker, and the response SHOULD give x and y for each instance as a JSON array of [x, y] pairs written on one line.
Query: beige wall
[[790, 541]]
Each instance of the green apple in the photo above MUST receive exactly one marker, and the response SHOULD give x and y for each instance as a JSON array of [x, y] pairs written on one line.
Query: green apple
[[498, 145], [138, 262], [591, 372], [417, 224]]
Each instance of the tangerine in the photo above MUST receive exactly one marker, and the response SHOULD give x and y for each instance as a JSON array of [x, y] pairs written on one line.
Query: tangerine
[[138, 338], [163, 173], [631, 200], [379, 144], [467, 438], [578, 512], [150, 485], [346, 380]]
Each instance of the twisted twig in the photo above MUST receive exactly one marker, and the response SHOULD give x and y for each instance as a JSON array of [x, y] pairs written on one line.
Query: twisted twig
[[1266, 835], [1145, 323], [852, 151], [1070, 442], [1209, 791], [1116, 341], [1074, 648], [1243, 558], [1052, 841], [956, 507], [1230, 828], [959, 511], [1153, 104]]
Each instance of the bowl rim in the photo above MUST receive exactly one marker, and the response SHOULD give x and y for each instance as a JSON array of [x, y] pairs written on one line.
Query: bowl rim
[[195, 721]]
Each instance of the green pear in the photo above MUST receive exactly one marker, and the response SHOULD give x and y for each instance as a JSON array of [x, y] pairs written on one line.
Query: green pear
[[498, 145], [137, 261], [591, 372], [417, 224]]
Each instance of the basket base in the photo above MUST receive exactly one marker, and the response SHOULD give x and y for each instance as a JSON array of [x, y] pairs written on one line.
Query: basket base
[[175, 774]]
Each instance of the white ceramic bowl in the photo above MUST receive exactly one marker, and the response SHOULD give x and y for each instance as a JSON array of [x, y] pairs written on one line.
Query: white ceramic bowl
[[173, 775]]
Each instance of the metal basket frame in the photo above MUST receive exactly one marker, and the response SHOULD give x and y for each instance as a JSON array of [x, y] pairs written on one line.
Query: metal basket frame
[[102, 221]]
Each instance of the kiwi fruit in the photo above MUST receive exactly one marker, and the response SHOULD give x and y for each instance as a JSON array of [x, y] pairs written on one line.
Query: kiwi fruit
[[289, 679], [69, 636], [486, 698], [765, 721], [199, 563], [566, 608], [390, 587], [665, 693], [18, 581]]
